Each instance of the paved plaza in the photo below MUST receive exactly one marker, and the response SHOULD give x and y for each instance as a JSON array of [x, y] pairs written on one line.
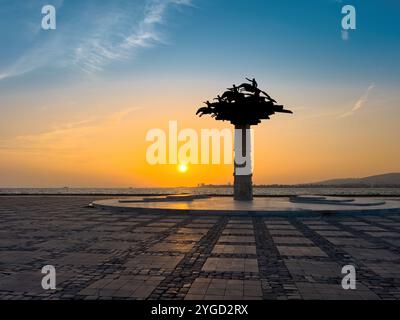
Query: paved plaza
[[107, 255]]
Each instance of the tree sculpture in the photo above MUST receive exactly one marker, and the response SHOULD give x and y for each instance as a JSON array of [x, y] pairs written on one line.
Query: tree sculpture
[[244, 106]]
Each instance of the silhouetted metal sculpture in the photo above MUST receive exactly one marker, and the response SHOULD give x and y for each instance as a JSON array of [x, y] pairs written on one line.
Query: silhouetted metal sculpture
[[244, 106]]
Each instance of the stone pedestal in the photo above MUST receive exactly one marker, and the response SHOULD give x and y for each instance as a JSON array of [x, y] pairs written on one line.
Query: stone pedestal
[[243, 173], [243, 188]]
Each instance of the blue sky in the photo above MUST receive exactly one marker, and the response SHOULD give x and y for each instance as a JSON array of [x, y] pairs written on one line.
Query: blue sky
[[107, 58], [230, 37]]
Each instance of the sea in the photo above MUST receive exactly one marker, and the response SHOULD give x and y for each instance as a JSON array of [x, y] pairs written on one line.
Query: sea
[[264, 191]]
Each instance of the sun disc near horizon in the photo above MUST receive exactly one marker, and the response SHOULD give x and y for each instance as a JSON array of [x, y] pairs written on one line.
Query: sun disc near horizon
[[182, 168]]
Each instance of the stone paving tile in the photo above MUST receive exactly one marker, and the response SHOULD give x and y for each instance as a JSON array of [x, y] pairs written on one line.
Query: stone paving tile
[[301, 251], [351, 242], [230, 231], [81, 259], [150, 229], [391, 224], [384, 269], [280, 227], [138, 220], [130, 236], [30, 281], [239, 226], [109, 228], [354, 223], [394, 242], [311, 268], [240, 221], [171, 247], [291, 240], [112, 245], [185, 237], [384, 234], [146, 261], [161, 224], [334, 233], [87, 235], [237, 239], [231, 265], [285, 232], [322, 291], [186, 230], [224, 289], [199, 225], [372, 254], [367, 228], [21, 244], [205, 220], [323, 227], [234, 249], [272, 222], [58, 244], [8, 257], [138, 287], [172, 220], [310, 222], [377, 219]]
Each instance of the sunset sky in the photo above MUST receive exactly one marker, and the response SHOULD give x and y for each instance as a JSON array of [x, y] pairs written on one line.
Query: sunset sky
[[76, 102]]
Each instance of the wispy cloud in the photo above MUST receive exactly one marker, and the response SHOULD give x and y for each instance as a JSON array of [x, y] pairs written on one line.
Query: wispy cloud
[[97, 35], [67, 136], [32, 59], [360, 103]]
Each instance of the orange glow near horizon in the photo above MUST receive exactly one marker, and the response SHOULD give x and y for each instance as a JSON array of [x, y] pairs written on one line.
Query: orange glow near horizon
[[109, 149]]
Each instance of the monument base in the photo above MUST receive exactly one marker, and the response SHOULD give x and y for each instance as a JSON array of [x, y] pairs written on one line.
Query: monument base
[[243, 188], [305, 206]]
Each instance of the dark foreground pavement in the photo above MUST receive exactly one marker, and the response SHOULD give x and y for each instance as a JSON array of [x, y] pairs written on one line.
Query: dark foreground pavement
[[104, 255]]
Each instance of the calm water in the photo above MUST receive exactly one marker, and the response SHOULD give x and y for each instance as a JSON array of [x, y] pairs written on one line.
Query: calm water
[[286, 191]]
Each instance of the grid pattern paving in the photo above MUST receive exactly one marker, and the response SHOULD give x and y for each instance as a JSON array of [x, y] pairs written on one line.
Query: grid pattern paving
[[103, 255]]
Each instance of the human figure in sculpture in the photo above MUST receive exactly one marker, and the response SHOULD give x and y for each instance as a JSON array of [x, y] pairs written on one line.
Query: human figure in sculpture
[[253, 82], [234, 89], [209, 104]]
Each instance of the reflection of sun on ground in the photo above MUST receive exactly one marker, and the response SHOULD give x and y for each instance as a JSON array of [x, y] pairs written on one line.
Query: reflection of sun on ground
[[182, 168]]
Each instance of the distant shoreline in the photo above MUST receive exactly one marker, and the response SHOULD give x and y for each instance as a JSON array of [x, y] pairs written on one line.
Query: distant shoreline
[[217, 190], [211, 186], [167, 194], [262, 186]]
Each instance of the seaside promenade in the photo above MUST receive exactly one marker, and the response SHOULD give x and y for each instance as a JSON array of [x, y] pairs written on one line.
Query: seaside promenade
[[103, 255]]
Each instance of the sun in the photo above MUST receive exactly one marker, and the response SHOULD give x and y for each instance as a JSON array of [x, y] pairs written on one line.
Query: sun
[[182, 168]]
